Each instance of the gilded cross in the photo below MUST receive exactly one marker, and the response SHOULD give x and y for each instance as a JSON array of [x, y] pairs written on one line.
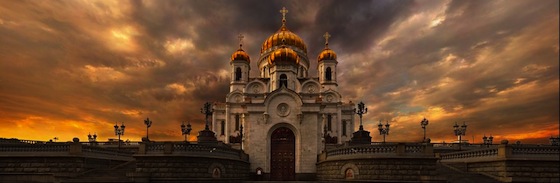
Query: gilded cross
[[327, 36], [283, 11], [240, 37]]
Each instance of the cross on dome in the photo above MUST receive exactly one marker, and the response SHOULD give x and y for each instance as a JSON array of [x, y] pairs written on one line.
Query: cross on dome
[[327, 36], [283, 11], [240, 37]]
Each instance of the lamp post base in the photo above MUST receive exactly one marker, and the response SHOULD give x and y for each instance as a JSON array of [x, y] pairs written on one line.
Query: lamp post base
[[206, 136]]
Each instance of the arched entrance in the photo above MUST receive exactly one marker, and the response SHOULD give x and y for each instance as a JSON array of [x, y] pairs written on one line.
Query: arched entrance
[[282, 154]]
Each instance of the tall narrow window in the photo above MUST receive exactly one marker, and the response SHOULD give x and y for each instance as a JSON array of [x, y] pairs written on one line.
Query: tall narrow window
[[328, 74], [343, 127], [329, 122], [238, 74], [223, 131], [236, 122], [283, 80]]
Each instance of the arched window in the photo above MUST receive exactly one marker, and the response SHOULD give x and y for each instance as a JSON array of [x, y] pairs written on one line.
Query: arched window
[[328, 74], [329, 122], [283, 80], [238, 74], [223, 131], [237, 122]]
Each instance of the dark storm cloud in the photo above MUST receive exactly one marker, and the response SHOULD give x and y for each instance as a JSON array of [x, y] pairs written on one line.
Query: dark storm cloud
[[94, 63]]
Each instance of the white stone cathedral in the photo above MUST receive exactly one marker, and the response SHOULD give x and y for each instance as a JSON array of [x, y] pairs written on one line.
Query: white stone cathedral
[[283, 112]]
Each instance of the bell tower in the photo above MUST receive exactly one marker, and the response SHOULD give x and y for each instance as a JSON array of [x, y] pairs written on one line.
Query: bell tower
[[327, 66], [239, 68]]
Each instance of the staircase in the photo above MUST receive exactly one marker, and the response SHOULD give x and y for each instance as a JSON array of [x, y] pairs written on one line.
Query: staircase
[[113, 174], [461, 175]]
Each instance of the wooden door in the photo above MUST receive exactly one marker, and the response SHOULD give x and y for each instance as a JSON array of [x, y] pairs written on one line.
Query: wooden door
[[282, 155]]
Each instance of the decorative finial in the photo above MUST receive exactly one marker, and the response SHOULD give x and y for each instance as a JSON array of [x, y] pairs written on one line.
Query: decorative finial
[[283, 11], [240, 37], [327, 36]]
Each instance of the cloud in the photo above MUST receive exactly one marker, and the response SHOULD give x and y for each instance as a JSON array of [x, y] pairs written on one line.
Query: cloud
[[77, 67]]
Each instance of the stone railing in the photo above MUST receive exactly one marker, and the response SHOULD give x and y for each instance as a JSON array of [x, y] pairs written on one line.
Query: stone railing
[[486, 152], [380, 150], [20, 141], [535, 150], [191, 149], [62, 149], [48, 147], [503, 152]]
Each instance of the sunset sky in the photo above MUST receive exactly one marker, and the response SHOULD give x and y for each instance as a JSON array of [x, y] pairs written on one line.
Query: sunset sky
[[69, 68]]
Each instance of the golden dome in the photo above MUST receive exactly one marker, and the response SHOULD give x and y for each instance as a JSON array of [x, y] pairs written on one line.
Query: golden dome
[[289, 38], [326, 54], [283, 55], [240, 54]]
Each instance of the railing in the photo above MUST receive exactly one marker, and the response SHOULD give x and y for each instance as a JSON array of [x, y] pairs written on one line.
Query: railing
[[535, 150], [20, 141], [503, 151], [487, 152], [397, 149], [48, 147], [182, 148]]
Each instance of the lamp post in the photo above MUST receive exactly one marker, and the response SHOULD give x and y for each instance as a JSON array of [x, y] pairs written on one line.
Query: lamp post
[[383, 131], [460, 131], [361, 110], [241, 136], [207, 110], [554, 141], [186, 131], [148, 124], [424, 123], [92, 138], [55, 139], [487, 140], [119, 132]]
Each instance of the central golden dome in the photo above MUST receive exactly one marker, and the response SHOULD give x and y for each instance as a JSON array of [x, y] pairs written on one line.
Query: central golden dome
[[290, 39]]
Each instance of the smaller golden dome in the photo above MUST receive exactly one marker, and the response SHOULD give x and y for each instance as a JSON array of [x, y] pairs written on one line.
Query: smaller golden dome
[[240, 54], [326, 54], [283, 55]]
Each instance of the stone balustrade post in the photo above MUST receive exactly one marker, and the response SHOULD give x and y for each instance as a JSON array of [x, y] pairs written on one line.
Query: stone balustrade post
[[167, 147], [504, 151], [429, 149], [142, 148], [401, 149], [75, 148]]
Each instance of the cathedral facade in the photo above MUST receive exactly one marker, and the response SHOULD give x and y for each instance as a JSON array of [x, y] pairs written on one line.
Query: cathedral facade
[[284, 115]]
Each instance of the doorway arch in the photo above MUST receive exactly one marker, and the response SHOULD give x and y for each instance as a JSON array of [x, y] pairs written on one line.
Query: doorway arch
[[282, 154]]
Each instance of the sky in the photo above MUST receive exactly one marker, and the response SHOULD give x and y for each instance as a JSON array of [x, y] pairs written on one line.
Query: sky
[[69, 68]]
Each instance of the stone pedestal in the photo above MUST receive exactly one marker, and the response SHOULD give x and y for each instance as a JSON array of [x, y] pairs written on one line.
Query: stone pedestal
[[206, 136], [360, 137]]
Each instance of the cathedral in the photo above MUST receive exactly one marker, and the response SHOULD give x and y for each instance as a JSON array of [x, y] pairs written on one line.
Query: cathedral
[[283, 117]]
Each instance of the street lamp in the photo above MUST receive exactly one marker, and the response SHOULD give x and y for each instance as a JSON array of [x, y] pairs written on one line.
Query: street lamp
[[148, 124], [186, 131], [554, 141], [361, 110], [487, 140], [207, 110], [119, 132], [92, 138], [383, 131], [460, 131], [55, 139], [424, 123]]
